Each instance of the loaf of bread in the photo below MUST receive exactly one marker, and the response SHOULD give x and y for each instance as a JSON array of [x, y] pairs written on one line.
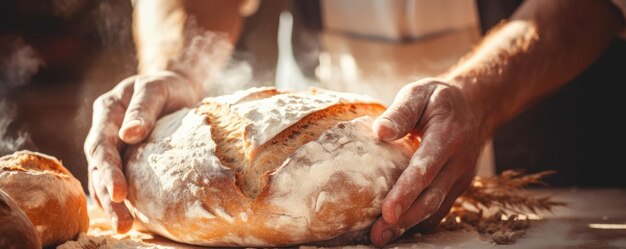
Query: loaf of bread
[[263, 167], [48, 193], [16, 230]]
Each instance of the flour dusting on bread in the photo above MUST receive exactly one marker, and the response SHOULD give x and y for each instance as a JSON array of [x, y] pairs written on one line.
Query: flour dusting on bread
[[263, 167], [306, 184], [178, 150], [270, 116]]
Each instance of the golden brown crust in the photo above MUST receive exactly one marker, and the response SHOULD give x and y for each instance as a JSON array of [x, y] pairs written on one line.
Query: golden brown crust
[[322, 176], [49, 194], [33, 162], [249, 163], [16, 230], [273, 153]]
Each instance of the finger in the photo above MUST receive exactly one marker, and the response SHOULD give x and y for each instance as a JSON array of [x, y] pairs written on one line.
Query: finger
[[143, 110], [431, 199], [404, 113], [102, 144], [109, 168], [121, 220], [427, 204], [382, 232], [430, 157], [431, 222], [92, 191]]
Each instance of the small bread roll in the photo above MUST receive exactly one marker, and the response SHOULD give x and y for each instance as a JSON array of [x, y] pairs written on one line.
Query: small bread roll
[[16, 230], [48, 193]]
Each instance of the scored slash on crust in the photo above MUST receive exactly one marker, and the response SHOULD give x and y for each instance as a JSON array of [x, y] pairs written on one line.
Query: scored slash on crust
[[251, 163]]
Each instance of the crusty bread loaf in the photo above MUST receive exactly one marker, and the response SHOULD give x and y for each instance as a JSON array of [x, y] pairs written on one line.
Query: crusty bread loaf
[[16, 230], [265, 168], [48, 193]]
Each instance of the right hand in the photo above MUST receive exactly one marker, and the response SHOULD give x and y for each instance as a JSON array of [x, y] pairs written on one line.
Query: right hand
[[126, 115], [444, 164]]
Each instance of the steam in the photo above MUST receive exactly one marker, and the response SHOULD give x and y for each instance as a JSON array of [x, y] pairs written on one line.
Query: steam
[[211, 58], [204, 59], [18, 63], [236, 76], [9, 144], [207, 56]]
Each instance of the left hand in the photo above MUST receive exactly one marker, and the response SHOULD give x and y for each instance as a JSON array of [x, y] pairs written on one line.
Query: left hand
[[126, 115], [441, 168]]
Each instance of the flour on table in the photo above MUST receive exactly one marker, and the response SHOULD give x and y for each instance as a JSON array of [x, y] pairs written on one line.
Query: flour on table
[[108, 242]]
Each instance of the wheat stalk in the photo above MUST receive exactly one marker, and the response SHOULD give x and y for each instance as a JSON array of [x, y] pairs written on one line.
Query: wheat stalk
[[505, 192], [501, 194]]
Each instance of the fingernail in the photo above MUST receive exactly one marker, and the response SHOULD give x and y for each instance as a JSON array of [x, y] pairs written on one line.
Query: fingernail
[[133, 123], [385, 129], [110, 190], [398, 211], [115, 194], [114, 222], [132, 131], [387, 236]]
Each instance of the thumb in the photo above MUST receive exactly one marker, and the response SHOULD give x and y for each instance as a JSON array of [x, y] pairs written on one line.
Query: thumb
[[143, 110], [404, 113]]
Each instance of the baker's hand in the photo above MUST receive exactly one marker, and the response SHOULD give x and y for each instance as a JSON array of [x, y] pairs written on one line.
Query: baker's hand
[[441, 168], [126, 115]]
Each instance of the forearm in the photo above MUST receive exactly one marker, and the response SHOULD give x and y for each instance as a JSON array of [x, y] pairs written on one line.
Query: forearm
[[164, 31], [543, 46]]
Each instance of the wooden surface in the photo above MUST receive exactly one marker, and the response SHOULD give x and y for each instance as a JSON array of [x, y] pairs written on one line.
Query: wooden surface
[[573, 226]]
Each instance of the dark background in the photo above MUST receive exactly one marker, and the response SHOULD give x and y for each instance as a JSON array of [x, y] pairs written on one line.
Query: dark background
[[578, 131], [85, 48]]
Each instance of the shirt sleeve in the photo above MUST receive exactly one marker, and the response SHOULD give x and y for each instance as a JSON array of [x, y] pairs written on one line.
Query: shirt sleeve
[[621, 5]]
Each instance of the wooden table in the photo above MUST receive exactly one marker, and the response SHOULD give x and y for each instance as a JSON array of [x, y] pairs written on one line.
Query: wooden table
[[594, 218]]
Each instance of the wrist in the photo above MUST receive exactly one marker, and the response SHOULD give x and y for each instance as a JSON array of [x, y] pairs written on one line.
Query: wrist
[[177, 81], [482, 107]]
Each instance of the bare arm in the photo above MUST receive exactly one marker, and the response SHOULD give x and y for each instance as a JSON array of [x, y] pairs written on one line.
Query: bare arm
[[543, 46], [163, 29], [127, 113]]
